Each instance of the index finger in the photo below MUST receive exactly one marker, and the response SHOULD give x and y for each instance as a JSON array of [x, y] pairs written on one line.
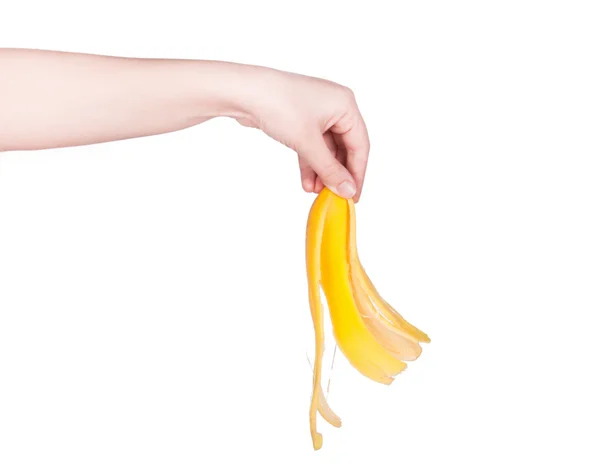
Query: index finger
[[355, 140]]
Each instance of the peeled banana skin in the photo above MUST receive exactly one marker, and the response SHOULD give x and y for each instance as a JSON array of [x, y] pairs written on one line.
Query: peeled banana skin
[[371, 334]]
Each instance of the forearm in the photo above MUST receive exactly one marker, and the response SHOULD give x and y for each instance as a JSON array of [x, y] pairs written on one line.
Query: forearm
[[51, 99]]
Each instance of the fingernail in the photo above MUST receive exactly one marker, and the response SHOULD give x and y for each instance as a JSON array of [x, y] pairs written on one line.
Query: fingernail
[[346, 189]]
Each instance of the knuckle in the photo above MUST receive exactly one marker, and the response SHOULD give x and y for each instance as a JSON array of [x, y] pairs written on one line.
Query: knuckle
[[348, 94], [344, 96]]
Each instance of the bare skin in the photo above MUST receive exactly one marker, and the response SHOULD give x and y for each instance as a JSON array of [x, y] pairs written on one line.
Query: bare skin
[[52, 99]]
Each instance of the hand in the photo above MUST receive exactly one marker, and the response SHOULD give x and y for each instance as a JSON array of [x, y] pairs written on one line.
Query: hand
[[55, 99], [318, 119]]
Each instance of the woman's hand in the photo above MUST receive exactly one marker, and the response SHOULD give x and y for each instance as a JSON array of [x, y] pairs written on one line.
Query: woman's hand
[[318, 119], [52, 99]]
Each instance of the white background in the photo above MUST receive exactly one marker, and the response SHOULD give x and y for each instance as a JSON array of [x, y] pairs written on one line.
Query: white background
[[153, 307]]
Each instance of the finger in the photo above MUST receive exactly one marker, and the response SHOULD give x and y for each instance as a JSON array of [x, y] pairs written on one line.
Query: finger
[[307, 175], [319, 185], [336, 150], [331, 143], [341, 154], [332, 173], [355, 140]]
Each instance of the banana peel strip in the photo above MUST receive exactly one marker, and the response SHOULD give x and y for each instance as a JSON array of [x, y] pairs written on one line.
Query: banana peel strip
[[370, 333]]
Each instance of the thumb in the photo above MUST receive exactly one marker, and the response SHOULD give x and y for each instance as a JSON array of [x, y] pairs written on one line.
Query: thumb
[[332, 173]]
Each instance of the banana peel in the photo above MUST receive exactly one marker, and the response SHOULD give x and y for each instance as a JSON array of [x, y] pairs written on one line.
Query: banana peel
[[370, 333]]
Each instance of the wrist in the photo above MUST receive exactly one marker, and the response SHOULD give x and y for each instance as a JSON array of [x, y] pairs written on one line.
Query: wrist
[[227, 89]]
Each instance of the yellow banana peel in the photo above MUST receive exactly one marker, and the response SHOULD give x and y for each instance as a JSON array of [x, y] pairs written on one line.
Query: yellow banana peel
[[373, 336]]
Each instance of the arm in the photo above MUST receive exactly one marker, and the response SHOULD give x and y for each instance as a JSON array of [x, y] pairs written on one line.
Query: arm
[[52, 99]]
